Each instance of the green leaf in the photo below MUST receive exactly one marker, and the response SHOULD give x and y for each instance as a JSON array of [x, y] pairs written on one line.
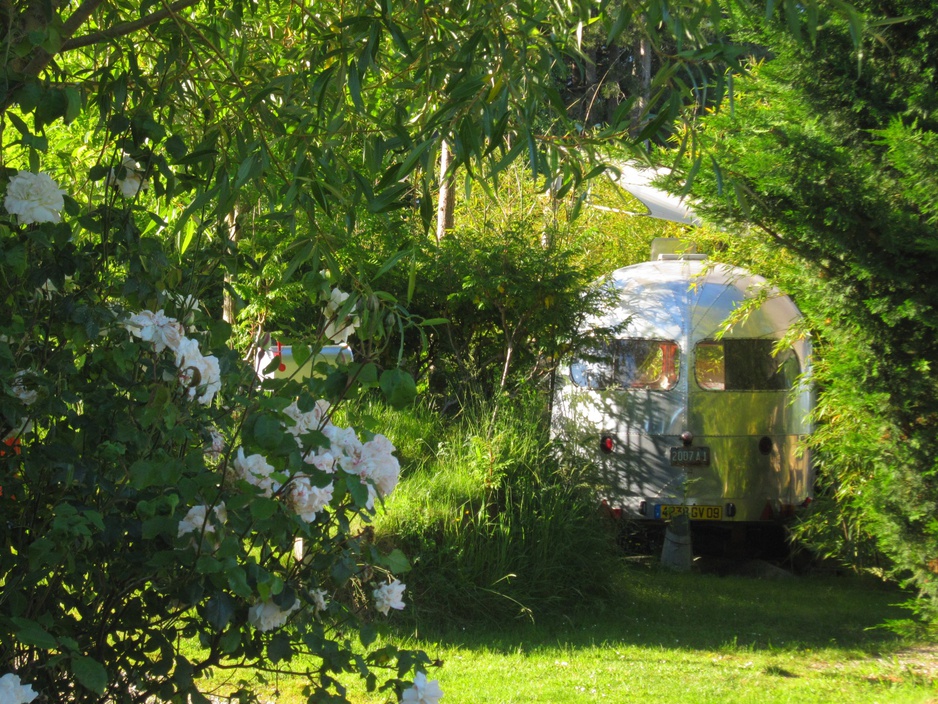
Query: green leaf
[[411, 161], [263, 508], [622, 20], [90, 673], [220, 610], [396, 562], [279, 648], [357, 489], [31, 633], [268, 432], [368, 634], [175, 147], [206, 564], [398, 387], [300, 258], [355, 87], [73, 104], [163, 472]]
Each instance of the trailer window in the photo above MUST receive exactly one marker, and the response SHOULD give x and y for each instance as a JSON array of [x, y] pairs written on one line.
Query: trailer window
[[629, 364], [744, 365]]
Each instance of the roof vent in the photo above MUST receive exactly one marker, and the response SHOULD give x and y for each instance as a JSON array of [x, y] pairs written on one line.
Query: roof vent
[[689, 256], [670, 248]]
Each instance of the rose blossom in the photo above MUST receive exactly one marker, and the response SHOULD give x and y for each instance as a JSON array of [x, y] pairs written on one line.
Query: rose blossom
[[305, 421], [196, 518], [266, 615], [319, 599], [34, 198], [308, 500], [422, 692], [373, 461], [389, 596], [132, 180], [12, 691], [157, 328], [217, 444], [198, 371], [323, 460], [27, 396], [255, 470], [338, 330]]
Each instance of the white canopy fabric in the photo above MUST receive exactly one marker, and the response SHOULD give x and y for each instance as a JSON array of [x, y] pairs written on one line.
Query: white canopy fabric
[[662, 205]]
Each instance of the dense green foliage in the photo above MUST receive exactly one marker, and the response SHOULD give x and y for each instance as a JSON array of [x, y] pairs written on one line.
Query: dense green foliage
[[826, 153], [497, 526]]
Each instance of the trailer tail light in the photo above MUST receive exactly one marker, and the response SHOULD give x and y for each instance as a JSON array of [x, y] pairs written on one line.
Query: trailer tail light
[[768, 514], [606, 444]]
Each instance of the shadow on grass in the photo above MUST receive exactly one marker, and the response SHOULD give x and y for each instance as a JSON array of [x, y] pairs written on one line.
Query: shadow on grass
[[654, 607]]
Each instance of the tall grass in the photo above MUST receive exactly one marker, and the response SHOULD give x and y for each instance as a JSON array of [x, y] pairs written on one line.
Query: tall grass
[[495, 526]]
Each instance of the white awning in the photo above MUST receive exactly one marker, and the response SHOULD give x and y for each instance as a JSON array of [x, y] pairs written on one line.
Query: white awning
[[661, 205]]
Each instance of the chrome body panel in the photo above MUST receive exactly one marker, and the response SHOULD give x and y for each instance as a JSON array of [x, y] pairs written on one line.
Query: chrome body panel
[[755, 437], [330, 354]]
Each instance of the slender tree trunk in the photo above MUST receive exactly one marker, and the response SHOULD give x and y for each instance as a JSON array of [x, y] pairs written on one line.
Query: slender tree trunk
[[228, 303], [642, 72], [447, 201]]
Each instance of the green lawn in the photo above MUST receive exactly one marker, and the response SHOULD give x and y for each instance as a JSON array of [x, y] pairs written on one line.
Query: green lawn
[[682, 638], [694, 638]]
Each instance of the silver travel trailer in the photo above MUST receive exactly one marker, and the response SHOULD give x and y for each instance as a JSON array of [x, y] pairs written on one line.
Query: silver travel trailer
[[288, 367], [683, 411]]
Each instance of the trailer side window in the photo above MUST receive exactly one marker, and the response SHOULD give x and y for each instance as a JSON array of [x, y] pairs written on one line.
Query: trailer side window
[[629, 364], [744, 365]]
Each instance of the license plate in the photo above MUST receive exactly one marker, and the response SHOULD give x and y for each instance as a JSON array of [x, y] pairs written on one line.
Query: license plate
[[690, 456], [694, 512]]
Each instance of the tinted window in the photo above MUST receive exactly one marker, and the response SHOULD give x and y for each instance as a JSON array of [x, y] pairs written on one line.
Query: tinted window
[[628, 364], [744, 365]]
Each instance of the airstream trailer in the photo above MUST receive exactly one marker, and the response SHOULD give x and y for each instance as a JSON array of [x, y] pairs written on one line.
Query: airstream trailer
[[683, 413], [288, 367]]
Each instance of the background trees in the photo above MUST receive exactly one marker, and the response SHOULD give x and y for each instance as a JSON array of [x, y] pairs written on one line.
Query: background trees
[[825, 153]]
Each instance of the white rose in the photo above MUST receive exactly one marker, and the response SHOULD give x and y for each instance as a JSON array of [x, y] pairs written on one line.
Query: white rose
[[389, 596], [266, 615], [27, 396], [132, 181], [157, 328], [12, 691], [304, 422], [308, 500], [338, 330], [34, 198], [319, 599], [422, 692], [196, 518], [198, 371], [255, 470], [323, 460]]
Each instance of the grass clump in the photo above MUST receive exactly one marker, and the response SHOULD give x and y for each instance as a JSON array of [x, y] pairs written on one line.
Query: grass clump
[[495, 526]]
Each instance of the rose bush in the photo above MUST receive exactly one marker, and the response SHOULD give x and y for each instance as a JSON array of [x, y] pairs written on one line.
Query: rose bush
[[165, 511]]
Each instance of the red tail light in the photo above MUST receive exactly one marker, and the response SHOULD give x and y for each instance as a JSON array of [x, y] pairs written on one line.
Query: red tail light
[[767, 513], [606, 444]]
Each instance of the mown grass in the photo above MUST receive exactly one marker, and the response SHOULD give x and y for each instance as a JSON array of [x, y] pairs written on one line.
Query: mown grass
[[516, 593], [695, 638], [688, 638]]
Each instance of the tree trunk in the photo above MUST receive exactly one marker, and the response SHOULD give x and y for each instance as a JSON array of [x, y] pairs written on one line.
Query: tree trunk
[[228, 302], [447, 200], [642, 72]]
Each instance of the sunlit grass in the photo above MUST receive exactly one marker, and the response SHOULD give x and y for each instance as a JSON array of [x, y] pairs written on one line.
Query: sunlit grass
[[691, 638]]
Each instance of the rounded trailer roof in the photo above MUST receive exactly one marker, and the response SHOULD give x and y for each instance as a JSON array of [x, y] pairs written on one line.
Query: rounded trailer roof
[[662, 299]]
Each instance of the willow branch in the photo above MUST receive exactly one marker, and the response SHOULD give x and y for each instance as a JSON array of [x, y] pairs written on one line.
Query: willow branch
[[125, 28]]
